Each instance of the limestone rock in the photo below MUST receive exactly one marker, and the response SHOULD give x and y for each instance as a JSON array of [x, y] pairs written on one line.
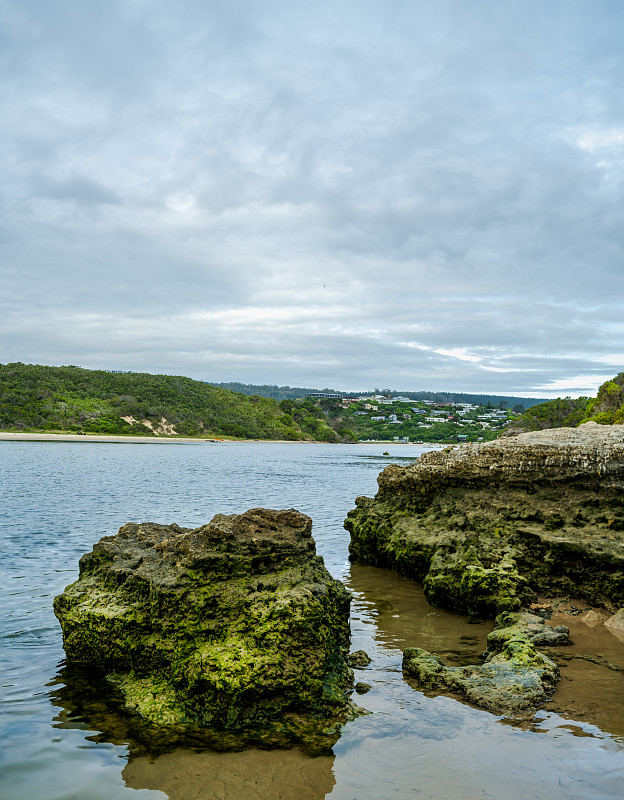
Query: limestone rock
[[226, 625], [490, 527], [515, 676]]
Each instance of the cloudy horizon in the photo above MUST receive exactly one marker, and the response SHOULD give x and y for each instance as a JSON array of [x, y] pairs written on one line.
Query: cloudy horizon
[[420, 195]]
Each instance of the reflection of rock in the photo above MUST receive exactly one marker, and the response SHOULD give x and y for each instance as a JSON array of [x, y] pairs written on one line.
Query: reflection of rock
[[615, 624], [488, 527], [616, 621], [593, 618], [233, 624], [251, 774], [85, 701], [515, 675]]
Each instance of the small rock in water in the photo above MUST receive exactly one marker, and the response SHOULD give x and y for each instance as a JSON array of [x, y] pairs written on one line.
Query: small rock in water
[[362, 688], [359, 658], [515, 677]]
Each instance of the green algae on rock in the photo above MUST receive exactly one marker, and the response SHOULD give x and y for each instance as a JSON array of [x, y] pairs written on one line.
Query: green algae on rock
[[515, 676], [229, 625], [489, 527]]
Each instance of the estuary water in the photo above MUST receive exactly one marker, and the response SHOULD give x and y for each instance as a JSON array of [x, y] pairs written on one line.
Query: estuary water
[[59, 498]]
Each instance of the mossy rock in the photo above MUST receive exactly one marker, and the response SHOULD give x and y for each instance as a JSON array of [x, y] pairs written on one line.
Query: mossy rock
[[515, 676], [232, 624], [489, 527]]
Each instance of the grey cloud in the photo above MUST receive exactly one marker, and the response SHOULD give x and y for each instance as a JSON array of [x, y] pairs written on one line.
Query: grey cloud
[[416, 171], [74, 187]]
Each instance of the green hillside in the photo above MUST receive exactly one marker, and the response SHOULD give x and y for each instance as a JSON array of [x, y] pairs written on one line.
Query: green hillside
[[607, 408], [387, 420], [41, 398], [294, 392]]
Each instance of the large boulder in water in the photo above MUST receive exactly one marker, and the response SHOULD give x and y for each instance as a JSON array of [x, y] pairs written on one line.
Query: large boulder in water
[[489, 527], [227, 625]]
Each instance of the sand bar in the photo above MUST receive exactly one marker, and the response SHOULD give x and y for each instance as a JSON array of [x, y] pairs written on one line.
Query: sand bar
[[8, 436]]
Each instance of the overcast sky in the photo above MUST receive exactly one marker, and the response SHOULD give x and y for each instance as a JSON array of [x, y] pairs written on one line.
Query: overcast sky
[[424, 194]]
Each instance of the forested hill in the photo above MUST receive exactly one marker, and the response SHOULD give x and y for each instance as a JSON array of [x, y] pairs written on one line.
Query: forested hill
[[607, 408], [271, 390], [293, 392], [41, 398]]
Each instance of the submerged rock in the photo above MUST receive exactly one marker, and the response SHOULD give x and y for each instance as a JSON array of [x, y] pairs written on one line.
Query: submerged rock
[[228, 625], [515, 676], [490, 527]]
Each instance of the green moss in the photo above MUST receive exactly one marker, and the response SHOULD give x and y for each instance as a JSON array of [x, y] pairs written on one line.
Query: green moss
[[227, 625], [515, 676]]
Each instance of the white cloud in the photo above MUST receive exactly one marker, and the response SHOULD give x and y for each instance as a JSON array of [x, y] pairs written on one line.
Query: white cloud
[[460, 353], [596, 140]]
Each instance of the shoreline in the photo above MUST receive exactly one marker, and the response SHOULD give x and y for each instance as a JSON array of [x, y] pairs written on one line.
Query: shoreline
[[8, 436]]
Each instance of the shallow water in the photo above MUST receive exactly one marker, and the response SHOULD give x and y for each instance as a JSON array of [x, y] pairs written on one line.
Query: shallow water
[[58, 499]]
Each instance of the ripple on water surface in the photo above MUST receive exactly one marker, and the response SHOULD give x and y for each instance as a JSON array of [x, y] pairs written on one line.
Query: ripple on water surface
[[60, 498]]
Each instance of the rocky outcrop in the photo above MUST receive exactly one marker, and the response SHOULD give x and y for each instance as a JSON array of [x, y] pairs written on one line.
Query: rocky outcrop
[[228, 625], [489, 527], [515, 676]]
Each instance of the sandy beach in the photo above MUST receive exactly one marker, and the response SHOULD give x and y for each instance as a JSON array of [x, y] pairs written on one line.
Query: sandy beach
[[73, 437], [7, 436]]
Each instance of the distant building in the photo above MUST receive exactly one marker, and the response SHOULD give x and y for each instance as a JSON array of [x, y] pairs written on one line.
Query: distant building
[[316, 395]]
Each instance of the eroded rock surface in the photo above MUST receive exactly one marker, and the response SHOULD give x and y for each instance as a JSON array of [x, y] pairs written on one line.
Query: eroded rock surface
[[490, 527], [229, 624], [515, 677]]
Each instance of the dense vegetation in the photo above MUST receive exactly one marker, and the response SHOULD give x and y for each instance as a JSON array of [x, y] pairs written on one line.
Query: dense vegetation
[[400, 420], [560, 413], [606, 409], [271, 390], [34, 398]]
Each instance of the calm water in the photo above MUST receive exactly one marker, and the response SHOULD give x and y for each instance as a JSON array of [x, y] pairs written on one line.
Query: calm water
[[58, 499]]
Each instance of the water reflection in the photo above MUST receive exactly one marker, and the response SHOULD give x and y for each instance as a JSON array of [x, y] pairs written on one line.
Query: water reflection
[[402, 617], [60, 499], [251, 774], [204, 764], [86, 701]]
